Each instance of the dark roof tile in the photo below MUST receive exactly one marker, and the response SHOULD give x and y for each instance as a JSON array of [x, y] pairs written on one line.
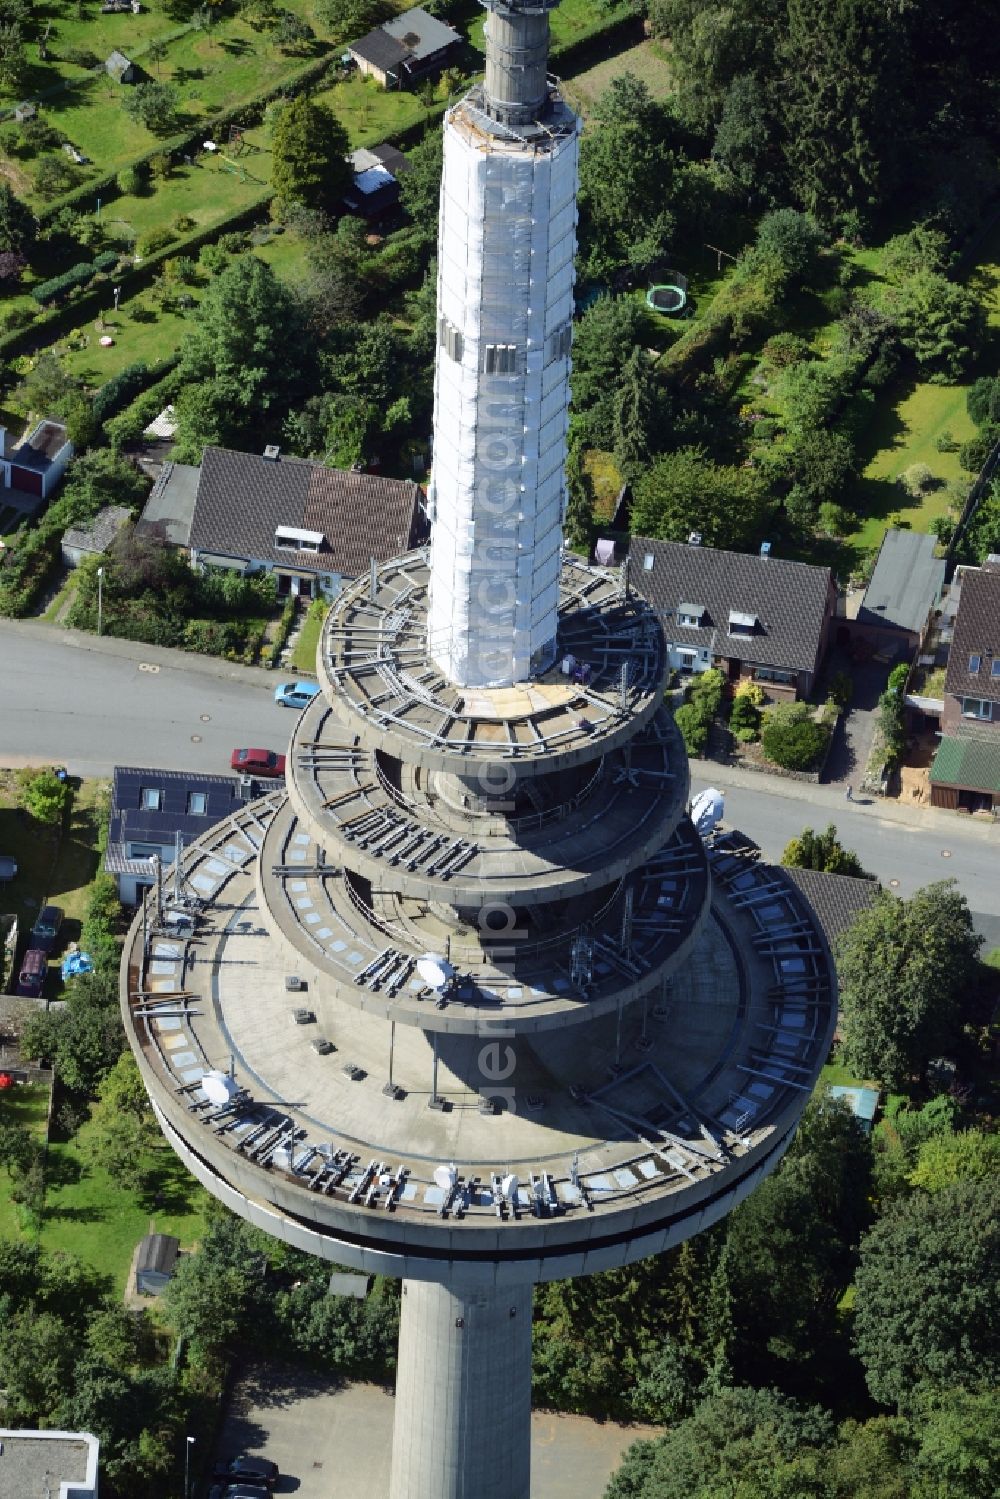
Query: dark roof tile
[[977, 633], [789, 599]]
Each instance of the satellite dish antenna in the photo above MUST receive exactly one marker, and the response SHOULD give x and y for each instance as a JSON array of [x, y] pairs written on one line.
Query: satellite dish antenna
[[509, 1187], [437, 973], [446, 1177], [707, 809], [219, 1087]]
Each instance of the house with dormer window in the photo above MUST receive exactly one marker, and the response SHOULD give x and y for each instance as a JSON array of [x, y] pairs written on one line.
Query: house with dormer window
[[965, 774], [746, 615]]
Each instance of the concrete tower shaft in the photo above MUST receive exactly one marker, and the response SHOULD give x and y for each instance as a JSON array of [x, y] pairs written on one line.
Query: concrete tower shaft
[[517, 55], [505, 308]]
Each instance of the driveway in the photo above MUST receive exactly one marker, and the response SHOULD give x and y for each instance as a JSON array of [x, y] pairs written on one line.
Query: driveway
[[330, 1439], [852, 740]]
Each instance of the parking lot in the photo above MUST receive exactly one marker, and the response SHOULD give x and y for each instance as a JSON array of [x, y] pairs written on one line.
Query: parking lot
[[331, 1439]]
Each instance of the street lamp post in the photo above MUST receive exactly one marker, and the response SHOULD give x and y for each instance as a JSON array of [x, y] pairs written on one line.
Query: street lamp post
[[117, 292], [100, 599], [188, 1444]]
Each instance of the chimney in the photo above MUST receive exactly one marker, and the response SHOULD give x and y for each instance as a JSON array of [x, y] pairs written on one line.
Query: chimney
[[272, 453], [694, 539], [765, 549]]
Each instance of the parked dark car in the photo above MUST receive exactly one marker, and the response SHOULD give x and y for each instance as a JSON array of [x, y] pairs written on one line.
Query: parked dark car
[[258, 762], [252, 1470], [34, 967], [46, 929]]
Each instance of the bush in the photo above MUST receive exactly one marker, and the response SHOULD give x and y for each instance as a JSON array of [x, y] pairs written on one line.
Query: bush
[[841, 688], [156, 239], [694, 729], [43, 795], [974, 453], [917, 480], [791, 738], [705, 693], [744, 720], [129, 181], [836, 520]]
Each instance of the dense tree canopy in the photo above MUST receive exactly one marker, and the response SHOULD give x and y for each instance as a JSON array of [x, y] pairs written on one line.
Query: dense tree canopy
[[309, 148], [822, 851], [927, 1305], [685, 491], [904, 967]]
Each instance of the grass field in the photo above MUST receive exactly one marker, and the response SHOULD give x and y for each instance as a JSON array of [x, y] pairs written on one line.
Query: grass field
[[27, 1105], [49, 869], [304, 655], [90, 1215], [573, 21], [648, 61]]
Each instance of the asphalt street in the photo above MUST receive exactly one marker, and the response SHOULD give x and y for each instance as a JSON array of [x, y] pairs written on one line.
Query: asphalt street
[[91, 704]]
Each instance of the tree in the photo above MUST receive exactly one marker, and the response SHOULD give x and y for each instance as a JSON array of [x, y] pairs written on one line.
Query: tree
[[941, 324], [156, 51], [904, 967], [794, 241], [685, 491], [944, 1159], [18, 226], [713, 43], [292, 33], [605, 339], [309, 149], [152, 104], [746, 142], [237, 355], [983, 400], [636, 413], [43, 795], [823, 851], [840, 61], [13, 58], [626, 177], [927, 1300], [36, 1360], [750, 1444], [822, 465], [350, 19], [694, 729], [124, 1132], [959, 1445], [420, 186], [210, 1291], [580, 501]]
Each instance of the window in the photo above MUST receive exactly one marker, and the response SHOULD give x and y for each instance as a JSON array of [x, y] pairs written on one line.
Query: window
[[690, 615], [771, 674], [197, 803], [974, 665], [995, 668], [500, 359], [151, 798], [742, 624], [974, 707], [685, 661], [450, 339], [647, 562], [559, 343], [145, 851]]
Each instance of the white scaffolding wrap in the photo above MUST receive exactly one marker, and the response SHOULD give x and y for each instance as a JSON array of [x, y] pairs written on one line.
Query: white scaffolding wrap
[[501, 397]]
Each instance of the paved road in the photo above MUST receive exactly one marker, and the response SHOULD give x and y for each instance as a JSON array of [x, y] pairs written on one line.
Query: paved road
[[91, 704], [906, 847]]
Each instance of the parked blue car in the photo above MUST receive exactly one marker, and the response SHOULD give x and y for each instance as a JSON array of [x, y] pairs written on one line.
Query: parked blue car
[[295, 694]]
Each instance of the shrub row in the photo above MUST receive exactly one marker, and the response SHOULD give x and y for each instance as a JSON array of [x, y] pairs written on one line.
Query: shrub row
[[129, 382], [77, 275], [132, 422]]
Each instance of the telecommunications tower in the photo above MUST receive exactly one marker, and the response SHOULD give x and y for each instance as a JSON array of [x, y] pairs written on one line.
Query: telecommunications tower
[[470, 1001]]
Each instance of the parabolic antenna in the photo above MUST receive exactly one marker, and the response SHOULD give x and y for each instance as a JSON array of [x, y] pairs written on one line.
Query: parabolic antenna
[[509, 1187], [437, 973], [219, 1087], [707, 809], [445, 1177]]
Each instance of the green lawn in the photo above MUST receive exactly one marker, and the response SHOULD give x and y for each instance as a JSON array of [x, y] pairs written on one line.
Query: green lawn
[[90, 1215], [50, 870], [27, 1105], [572, 22], [647, 61], [304, 655], [371, 114]]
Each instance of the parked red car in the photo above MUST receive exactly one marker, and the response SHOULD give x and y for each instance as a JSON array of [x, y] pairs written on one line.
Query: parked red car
[[258, 762]]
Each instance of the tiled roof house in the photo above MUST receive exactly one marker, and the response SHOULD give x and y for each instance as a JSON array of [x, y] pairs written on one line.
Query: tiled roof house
[[748, 615], [965, 774]]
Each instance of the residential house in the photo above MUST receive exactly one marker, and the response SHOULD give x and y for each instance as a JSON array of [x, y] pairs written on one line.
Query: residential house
[[375, 189], [902, 594], [38, 462], [62, 1464], [310, 527], [93, 537], [747, 615], [965, 774], [406, 48], [149, 808]]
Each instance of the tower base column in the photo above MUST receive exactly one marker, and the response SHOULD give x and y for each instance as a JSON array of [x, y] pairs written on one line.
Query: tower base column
[[463, 1393]]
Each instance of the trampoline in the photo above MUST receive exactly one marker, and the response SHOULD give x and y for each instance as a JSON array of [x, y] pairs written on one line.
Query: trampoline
[[667, 297]]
